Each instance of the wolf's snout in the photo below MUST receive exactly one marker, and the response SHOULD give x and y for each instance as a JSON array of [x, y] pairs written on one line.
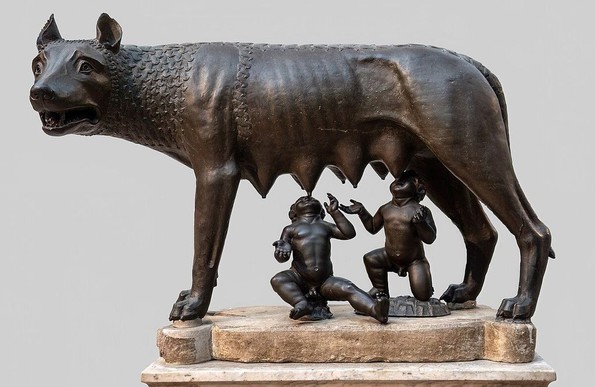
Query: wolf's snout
[[42, 93]]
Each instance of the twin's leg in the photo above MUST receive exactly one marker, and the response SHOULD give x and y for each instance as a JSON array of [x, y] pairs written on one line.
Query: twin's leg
[[377, 264], [340, 289], [287, 284], [420, 280]]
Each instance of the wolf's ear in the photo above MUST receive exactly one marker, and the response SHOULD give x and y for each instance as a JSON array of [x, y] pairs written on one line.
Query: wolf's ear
[[109, 32], [49, 33]]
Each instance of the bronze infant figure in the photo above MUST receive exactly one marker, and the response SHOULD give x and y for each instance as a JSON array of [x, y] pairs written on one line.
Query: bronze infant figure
[[406, 224], [310, 282], [234, 111]]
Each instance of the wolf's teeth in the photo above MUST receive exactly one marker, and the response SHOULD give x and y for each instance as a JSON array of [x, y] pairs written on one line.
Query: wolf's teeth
[[54, 120]]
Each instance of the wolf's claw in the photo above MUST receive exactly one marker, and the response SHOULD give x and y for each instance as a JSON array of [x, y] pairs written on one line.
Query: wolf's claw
[[457, 293], [518, 308], [187, 307]]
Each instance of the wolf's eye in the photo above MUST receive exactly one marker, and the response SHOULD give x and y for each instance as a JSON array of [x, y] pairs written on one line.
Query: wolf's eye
[[85, 67], [37, 69]]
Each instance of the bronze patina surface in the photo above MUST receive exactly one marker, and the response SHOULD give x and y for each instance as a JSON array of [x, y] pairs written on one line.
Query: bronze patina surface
[[234, 111]]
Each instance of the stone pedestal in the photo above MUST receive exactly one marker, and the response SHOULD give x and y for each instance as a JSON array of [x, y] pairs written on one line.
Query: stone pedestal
[[266, 334], [478, 373], [257, 345]]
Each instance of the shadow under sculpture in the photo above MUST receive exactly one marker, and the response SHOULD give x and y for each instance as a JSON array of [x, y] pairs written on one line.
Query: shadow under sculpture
[[310, 283], [233, 111]]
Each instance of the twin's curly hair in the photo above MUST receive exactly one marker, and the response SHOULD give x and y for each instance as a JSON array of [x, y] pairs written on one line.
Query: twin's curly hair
[[417, 181]]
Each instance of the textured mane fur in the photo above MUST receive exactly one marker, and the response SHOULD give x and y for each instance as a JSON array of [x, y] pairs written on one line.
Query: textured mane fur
[[148, 85]]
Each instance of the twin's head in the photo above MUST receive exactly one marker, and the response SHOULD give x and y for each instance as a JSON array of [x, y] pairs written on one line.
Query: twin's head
[[408, 185], [306, 205]]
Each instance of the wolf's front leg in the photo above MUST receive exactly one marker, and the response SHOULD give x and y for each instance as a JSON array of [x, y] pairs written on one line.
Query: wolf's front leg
[[215, 193]]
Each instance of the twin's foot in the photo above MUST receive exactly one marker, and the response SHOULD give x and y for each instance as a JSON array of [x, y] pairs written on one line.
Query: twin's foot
[[301, 309], [381, 307]]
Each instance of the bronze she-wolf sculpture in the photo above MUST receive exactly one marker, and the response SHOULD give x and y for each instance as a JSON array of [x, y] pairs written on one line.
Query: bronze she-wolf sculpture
[[234, 111]]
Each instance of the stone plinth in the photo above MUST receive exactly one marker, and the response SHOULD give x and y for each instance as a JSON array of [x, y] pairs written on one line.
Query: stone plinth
[[267, 335], [186, 345], [479, 373]]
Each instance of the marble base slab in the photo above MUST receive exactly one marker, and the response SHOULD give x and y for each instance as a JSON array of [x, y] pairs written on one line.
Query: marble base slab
[[478, 373], [265, 334]]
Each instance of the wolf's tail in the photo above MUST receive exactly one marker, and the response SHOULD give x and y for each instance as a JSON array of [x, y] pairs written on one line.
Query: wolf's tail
[[496, 86]]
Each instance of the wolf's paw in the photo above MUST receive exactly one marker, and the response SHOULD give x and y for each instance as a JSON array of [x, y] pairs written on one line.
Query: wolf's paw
[[519, 308], [187, 307], [457, 293]]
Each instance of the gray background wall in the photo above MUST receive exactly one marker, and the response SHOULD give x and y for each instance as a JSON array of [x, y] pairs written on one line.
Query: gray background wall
[[96, 233]]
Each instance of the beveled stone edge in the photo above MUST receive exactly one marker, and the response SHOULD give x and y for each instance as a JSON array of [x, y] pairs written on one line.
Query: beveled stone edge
[[224, 371], [508, 342], [197, 342], [497, 345]]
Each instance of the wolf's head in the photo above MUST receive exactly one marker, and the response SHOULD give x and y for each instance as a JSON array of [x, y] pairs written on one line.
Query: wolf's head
[[72, 80]]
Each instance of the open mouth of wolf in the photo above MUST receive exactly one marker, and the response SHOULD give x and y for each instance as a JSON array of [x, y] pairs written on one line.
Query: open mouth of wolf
[[57, 122]]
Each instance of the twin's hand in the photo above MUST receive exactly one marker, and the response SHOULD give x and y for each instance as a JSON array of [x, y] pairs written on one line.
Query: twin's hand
[[354, 208], [333, 204], [420, 214], [282, 250]]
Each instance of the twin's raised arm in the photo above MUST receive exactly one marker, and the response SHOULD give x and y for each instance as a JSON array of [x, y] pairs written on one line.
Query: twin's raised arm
[[343, 228], [372, 223]]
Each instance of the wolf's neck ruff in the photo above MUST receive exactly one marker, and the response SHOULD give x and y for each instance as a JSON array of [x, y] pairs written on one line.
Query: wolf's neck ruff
[[148, 85]]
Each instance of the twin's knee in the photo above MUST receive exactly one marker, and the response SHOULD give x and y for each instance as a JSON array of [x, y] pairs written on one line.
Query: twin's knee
[[335, 289], [371, 260], [421, 286], [277, 281], [423, 294], [348, 287]]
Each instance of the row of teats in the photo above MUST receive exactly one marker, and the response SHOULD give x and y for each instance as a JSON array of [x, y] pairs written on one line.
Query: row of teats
[[347, 155]]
